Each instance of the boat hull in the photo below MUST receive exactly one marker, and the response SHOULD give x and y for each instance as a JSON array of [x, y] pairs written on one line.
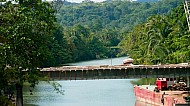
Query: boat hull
[[156, 98]]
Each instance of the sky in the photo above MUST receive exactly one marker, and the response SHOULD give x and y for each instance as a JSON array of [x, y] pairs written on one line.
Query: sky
[[79, 1]]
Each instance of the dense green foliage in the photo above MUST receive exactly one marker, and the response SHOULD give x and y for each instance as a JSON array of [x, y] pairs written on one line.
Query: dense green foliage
[[93, 30], [144, 81], [112, 14], [5, 102], [84, 31], [161, 39], [32, 38], [26, 29]]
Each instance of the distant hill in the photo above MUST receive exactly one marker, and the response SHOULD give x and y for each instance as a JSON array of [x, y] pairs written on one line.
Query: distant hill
[[113, 13]]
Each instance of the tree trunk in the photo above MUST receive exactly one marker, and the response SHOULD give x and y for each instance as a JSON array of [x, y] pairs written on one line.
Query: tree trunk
[[19, 95]]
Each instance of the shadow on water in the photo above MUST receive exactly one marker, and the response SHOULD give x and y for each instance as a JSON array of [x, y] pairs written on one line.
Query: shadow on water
[[30, 105]]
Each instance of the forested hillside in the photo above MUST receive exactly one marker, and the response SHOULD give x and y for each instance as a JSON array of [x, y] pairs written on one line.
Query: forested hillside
[[93, 30], [160, 40], [112, 14]]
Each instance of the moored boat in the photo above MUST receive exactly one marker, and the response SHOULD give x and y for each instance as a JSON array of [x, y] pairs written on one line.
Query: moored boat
[[128, 61], [148, 94]]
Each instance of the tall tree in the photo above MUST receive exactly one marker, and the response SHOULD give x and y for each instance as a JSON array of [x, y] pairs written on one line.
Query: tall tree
[[27, 28]]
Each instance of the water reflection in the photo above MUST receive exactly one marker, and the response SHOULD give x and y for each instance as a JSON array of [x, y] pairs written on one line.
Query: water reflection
[[108, 92], [30, 105]]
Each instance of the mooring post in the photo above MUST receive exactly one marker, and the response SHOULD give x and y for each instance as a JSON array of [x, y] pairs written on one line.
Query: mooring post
[[109, 73], [179, 72], [82, 75], [174, 71], [169, 72], [60, 75], [75, 74], [65, 75], [104, 74], [163, 73], [92, 73], [146, 72], [86, 74], [188, 78], [49, 74], [70, 74], [156, 72], [140, 72], [125, 73], [134, 72]]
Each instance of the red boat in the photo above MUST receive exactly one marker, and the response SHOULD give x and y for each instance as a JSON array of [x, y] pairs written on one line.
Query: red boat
[[160, 97]]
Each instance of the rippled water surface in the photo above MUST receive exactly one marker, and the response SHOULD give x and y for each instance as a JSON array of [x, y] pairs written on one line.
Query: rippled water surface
[[109, 92]]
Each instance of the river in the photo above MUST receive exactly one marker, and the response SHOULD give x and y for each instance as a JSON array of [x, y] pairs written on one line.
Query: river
[[109, 61], [104, 92]]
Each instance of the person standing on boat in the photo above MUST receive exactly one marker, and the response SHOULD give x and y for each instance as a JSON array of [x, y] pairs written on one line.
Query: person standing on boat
[[162, 99]]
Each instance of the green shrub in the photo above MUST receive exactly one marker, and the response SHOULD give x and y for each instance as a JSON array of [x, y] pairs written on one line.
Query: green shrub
[[5, 102], [144, 81]]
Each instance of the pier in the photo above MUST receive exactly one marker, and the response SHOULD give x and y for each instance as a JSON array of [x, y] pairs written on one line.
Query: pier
[[116, 72]]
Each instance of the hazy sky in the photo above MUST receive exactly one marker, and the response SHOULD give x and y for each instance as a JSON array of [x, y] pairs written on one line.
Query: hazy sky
[[78, 1]]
